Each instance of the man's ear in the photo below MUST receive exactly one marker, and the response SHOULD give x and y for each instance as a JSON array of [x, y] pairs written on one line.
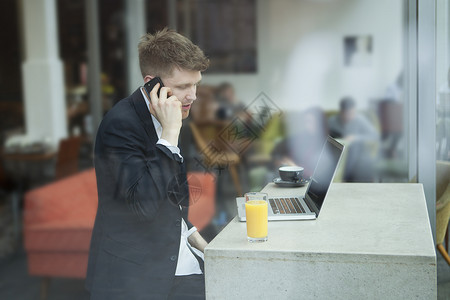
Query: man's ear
[[147, 78]]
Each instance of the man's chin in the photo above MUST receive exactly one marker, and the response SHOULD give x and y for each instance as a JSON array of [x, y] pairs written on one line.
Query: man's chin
[[184, 114]]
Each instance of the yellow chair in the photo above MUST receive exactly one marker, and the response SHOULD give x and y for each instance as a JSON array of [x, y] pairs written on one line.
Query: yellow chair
[[442, 207]]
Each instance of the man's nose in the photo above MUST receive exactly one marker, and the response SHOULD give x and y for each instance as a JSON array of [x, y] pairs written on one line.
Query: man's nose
[[192, 95]]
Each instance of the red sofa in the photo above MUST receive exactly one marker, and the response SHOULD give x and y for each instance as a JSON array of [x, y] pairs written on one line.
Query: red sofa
[[59, 217], [58, 222]]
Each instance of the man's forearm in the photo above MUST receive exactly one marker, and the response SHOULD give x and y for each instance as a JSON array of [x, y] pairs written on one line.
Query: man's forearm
[[171, 135], [197, 241]]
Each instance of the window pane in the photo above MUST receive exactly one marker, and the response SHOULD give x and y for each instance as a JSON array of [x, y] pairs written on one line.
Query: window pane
[[443, 82]]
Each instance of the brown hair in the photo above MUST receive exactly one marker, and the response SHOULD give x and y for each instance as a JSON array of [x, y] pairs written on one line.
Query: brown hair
[[161, 52]]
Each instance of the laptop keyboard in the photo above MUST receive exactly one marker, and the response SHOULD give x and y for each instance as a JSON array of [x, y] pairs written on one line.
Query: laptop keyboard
[[287, 206]]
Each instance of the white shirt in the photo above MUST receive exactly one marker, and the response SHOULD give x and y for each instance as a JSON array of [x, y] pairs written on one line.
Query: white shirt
[[187, 263]]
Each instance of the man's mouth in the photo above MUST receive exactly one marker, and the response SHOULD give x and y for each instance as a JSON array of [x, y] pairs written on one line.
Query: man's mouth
[[186, 106]]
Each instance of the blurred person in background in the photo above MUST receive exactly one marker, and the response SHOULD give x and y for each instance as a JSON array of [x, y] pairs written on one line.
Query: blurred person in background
[[229, 105], [143, 246], [303, 148], [358, 134]]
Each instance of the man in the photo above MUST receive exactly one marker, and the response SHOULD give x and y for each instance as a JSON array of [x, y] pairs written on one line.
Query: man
[[360, 136], [142, 244]]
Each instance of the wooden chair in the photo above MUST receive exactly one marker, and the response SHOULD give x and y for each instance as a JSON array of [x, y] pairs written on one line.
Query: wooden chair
[[68, 157], [442, 207], [216, 155]]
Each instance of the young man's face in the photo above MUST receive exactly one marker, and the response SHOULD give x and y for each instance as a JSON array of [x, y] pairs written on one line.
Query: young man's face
[[183, 84]]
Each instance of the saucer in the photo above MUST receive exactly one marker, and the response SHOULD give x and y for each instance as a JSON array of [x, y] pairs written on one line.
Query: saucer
[[280, 182]]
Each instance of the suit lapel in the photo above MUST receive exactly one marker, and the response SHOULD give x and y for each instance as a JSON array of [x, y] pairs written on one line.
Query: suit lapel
[[144, 115]]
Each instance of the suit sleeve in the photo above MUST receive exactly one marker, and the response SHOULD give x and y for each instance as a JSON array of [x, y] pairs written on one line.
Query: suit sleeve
[[144, 175]]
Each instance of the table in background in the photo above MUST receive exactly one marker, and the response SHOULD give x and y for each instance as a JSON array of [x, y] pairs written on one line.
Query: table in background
[[371, 241], [26, 170]]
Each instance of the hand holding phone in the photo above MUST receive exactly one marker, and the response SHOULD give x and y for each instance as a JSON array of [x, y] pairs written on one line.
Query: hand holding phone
[[166, 108], [148, 86]]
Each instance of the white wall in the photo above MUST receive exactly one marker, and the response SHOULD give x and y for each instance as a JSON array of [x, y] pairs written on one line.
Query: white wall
[[300, 52]]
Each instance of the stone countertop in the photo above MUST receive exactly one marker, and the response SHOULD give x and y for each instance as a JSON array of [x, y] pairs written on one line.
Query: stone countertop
[[357, 220]]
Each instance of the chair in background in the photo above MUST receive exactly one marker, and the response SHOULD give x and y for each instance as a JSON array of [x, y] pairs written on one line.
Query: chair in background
[[202, 192], [68, 157], [57, 225], [391, 122], [217, 155], [59, 218], [205, 128], [442, 207]]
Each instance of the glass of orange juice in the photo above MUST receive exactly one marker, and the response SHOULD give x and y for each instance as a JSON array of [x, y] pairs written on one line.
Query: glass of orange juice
[[256, 211]]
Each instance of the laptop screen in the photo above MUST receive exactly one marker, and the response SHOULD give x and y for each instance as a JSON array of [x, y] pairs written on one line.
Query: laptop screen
[[324, 171]]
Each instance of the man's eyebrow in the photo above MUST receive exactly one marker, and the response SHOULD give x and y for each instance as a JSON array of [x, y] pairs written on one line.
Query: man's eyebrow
[[187, 84]]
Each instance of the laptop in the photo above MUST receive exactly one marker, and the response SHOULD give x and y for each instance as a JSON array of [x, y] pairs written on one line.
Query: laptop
[[307, 206]]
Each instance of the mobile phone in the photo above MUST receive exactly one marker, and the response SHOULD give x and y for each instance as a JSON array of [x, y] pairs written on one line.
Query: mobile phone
[[148, 86]]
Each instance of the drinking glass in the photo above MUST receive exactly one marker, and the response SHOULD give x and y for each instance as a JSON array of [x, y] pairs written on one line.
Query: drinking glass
[[256, 211]]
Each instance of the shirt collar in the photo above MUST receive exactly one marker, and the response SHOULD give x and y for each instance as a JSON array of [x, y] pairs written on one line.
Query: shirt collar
[[158, 127]]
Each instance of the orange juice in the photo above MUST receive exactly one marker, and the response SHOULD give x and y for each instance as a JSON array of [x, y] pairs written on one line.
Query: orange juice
[[256, 214]]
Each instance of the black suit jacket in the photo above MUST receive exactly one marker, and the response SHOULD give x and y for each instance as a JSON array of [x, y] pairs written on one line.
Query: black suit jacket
[[141, 185]]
